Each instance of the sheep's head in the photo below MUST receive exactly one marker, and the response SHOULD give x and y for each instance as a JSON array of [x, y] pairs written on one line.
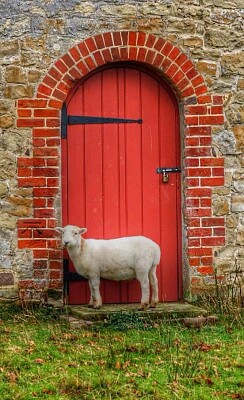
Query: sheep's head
[[71, 235]]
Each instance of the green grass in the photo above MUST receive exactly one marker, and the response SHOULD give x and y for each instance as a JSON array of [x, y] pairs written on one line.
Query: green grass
[[42, 357]]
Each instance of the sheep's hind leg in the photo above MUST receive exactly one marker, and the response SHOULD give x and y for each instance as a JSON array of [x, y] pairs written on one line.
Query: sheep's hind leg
[[154, 284], [145, 291]]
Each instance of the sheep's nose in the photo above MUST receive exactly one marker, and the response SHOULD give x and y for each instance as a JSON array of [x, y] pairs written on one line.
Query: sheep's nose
[[66, 244]]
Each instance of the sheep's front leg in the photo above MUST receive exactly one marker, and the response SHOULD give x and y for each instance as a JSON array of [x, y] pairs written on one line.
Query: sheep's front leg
[[92, 295], [95, 284], [145, 290]]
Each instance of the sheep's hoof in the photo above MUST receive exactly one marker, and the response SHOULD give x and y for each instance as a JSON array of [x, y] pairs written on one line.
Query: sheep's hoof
[[90, 305], [142, 307], [97, 307], [153, 304]]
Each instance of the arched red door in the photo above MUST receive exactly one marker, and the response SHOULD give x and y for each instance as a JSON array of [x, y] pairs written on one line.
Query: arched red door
[[110, 184]]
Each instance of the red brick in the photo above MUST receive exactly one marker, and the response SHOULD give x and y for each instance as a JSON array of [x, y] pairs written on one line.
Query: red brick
[[61, 66], [124, 53], [219, 231], [192, 141], [45, 172], [183, 83], [141, 54], [199, 130], [52, 162], [31, 182], [98, 58], [53, 142], [45, 132], [46, 113], [199, 172], [150, 41], [205, 141], [141, 38], [31, 223], [99, 41], [201, 251], [205, 202], [39, 203], [132, 38], [115, 53], [213, 241], [171, 70], [32, 103], [218, 100], [49, 81], [205, 99], [30, 122], [31, 244], [198, 80], [124, 37], [166, 63], [199, 232], [44, 233], [52, 122], [59, 95], [174, 53], [45, 152], [83, 49], [206, 270], [193, 222], [90, 63], [181, 59], [187, 66], [212, 181], [150, 56], [24, 233], [24, 172], [197, 152], [24, 113], [201, 89], [45, 192], [91, 45], [192, 182], [52, 182], [177, 77], [192, 73], [55, 73], [40, 254], [193, 242], [199, 192], [187, 92], [194, 261], [107, 55], [133, 53], [82, 67], [196, 110], [216, 110], [167, 48], [56, 264], [77, 73], [191, 120], [107, 37], [53, 244], [117, 38], [217, 171], [55, 104], [198, 212], [192, 202], [159, 44], [207, 260], [191, 162], [75, 54], [213, 221], [39, 142]]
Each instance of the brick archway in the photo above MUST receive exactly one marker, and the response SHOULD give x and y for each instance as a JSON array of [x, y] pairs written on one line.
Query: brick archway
[[201, 111]]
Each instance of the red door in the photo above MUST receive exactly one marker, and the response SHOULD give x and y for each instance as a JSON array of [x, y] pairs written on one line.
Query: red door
[[110, 184]]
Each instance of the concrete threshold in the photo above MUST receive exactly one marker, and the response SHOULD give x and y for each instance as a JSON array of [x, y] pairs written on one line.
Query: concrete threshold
[[162, 311]]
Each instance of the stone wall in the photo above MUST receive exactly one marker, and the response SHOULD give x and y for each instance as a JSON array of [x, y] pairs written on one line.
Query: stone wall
[[34, 35]]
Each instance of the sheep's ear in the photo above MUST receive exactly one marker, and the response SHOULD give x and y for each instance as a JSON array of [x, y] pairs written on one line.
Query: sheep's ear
[[59, 229], [82, 231]]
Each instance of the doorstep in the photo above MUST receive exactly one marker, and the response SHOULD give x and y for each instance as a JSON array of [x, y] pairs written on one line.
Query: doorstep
[[162, 311]]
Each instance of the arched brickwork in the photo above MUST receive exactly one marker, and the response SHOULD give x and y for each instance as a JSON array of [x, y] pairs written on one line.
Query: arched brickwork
[[202, 171]]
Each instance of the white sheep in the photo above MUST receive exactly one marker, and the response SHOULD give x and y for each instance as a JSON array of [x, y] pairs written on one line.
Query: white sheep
[[115, 259]]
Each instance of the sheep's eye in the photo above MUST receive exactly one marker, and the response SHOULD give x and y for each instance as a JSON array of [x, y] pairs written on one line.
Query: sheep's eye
[[76, 233]]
